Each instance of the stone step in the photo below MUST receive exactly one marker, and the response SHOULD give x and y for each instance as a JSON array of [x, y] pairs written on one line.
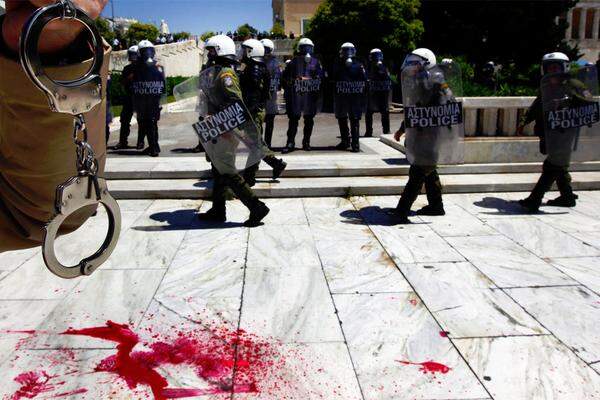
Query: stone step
[[341, 186], [309, 167]]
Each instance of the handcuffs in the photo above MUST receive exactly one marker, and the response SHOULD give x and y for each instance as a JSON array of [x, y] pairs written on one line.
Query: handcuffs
[[74, 97]]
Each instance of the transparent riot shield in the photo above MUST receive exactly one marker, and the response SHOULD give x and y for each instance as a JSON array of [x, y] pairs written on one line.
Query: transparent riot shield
[[571, 115], [220, 119], [149, 90], [304, 91], [433, 115], [274, 67], [379, 95], [349, 98]]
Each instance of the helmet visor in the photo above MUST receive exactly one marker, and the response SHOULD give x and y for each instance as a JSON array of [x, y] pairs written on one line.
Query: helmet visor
[[413, 61], [376, 57], [348, 52], [305, 49]]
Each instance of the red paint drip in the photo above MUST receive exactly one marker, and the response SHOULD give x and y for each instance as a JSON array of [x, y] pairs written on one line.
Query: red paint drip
[[32, 384], [443, 334], [413, 302], [429, 367]]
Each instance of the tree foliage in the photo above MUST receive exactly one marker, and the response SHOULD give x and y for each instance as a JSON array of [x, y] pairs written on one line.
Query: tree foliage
[[278, 31], [246, 31], [181, 35], [138, 32], [391, 25], [509, 32], [206, 35], [104, 28]]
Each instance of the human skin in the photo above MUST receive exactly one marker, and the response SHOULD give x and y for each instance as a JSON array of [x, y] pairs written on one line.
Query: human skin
[[57, 34]]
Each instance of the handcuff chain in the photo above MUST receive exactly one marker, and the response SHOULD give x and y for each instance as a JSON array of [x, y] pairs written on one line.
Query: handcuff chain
[[86, 159]]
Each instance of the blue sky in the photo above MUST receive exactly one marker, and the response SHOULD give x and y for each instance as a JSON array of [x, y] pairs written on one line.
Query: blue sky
[[196, 16]]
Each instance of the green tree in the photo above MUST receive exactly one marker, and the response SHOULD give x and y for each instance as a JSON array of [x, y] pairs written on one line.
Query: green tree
[[278, 31], [204, 37], [138, 32], [104, 27], [391, 25], [514, 33], [181, 35], [246, 31]]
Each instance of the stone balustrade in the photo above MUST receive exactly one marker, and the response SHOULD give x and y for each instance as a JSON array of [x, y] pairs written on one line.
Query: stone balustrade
[[495, 116]]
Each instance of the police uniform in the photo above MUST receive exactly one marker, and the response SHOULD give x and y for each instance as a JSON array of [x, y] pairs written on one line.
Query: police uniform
[[378, 100], [147, 92], [272, 107], [127, 111], [296, 106], [551, 171], [255, 82], [349, 106], [227, 90]]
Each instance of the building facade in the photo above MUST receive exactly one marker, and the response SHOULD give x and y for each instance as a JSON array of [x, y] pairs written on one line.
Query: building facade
[[294, 15], [584, 28]]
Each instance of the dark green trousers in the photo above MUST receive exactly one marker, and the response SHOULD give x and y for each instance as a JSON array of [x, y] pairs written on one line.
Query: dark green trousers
[[550, 174], [237, 184]]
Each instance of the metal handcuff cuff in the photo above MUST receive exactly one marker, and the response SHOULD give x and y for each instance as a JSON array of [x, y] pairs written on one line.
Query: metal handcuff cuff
[[74, 97]]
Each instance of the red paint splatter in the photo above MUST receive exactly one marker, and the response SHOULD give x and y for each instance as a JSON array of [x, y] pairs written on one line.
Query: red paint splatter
[[429, 367], [32, 384], [413, 302], [443, 334], [71, 393], [211, 353]]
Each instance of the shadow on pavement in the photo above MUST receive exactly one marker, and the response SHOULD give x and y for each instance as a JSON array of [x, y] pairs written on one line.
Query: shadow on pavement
[[186, 150], [396, 161], [132, 152], [373, 215], [507, 207], [184, 220]]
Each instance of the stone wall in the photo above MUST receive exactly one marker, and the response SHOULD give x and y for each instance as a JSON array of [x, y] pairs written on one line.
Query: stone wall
[[178, 59]]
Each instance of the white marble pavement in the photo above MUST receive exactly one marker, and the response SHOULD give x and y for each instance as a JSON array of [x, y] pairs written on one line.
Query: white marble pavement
[[484, 303]]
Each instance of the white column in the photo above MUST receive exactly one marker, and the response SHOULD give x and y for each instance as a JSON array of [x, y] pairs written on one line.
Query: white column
[[569, 34], [470, 121], [490, 121], [509, 122], [582, 22], [596, 23]]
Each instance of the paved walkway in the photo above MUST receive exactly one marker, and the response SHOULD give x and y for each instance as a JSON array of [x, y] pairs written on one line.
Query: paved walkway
[[325, 301]]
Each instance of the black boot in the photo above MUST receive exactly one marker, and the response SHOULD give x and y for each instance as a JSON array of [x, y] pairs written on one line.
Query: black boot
[[544, 183], [250, 174], [290, 147], [277, 164], [369, 124], [214, 215], [433, 188], [355, 131], [291, 134], [257, 214], [309, 123], [385, 122], [198, 149], [344, 133], [567, 197], [416, 178]]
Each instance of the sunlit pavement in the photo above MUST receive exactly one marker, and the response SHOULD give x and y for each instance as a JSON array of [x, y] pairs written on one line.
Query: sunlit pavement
[[327, 300]]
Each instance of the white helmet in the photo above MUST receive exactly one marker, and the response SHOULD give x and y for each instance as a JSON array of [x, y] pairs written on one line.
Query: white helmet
[[447, 61], [427, 55], [144, 44], [555, 58], [375, 51], [305, 42], [223, 46], [268, 44], [253, 49], [133, 53]]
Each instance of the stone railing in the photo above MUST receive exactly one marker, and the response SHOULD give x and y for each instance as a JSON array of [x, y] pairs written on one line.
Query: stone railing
[[178, 59], [495, 116]]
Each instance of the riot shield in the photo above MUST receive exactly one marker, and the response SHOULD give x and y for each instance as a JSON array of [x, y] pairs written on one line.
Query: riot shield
[[571, 115], [379, 90], [304, 91], [221, 120], [433, 115], [349, 100], [274, 67], [149, 90]]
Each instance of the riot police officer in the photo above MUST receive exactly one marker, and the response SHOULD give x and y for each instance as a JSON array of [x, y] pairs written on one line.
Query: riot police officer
[[428, 140], [148, 87], [274, 67], [380, 86], [302, 80], [255, 82], [226, 91], [127, 111], [559, 89], [350, 80]]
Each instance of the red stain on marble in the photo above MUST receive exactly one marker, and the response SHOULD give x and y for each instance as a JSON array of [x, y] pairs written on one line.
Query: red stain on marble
[[443, 334], [429, 367], [413, 302], [33, 383], [71, 393]]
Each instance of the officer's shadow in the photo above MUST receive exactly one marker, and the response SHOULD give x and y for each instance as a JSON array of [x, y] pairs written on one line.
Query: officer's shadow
[[374, 215], [183, 220], [507, 207]]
